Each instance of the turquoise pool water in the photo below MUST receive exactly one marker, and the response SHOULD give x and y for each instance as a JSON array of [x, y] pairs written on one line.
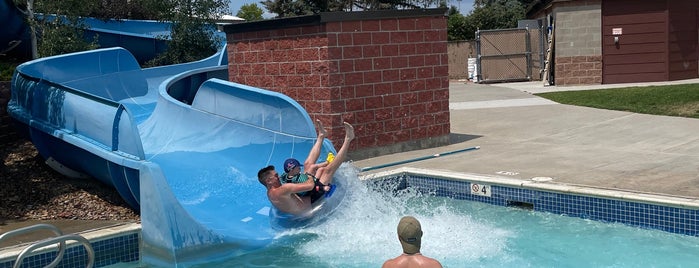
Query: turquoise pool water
[[467, 234]]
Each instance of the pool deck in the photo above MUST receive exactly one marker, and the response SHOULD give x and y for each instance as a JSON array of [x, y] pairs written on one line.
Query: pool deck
[[522, 136]]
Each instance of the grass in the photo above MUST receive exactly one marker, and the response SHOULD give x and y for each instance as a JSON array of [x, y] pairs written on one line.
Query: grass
[[670, 100]]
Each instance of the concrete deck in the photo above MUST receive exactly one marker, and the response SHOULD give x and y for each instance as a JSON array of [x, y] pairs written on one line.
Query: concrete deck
[[523, 136]]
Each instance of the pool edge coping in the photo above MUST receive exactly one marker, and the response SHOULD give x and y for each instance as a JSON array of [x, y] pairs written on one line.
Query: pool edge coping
[[551, 186]]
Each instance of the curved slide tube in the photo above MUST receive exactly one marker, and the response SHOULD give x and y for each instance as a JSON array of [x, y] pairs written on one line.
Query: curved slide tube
[[178, 142]]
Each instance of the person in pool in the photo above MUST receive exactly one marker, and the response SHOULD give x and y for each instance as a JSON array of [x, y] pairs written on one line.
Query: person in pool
[[410, 237], [285, 196]]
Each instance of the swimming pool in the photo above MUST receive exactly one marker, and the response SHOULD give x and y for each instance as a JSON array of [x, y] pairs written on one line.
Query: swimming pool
[[470, 234], [467, 234], [463, 233]]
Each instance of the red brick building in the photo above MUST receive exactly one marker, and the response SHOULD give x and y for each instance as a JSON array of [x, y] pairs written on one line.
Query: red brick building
[[386, 72]]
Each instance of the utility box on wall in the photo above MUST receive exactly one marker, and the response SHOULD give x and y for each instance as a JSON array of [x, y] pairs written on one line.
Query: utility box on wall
[[386, 72]]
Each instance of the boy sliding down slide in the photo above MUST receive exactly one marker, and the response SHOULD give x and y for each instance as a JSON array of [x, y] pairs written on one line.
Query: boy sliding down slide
[[285, 197], [292, 167]]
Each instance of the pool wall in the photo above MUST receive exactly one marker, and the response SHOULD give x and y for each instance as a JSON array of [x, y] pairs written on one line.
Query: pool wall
[[667, 213]]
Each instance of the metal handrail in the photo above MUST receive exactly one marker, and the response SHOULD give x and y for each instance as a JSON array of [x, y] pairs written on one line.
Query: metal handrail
[[61, 239], [44, 226]]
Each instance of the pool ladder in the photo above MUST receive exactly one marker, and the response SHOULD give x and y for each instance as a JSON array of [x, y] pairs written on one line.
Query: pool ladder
[[60, 239]]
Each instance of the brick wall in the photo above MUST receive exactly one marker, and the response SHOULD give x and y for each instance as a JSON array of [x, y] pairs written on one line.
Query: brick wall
[[578, 70], [386, 72], [578, 42]]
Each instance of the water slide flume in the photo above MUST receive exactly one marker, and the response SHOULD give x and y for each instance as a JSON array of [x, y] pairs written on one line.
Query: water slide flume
[[179, 142]]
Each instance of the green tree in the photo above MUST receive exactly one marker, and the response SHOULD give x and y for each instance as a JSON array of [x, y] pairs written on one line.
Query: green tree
[[481, 3], [60, 34], [500, 14], [192, 29], [390, 4], [61, 38], [288, 8], [250, 12], [486, 15], [124, 9], [457, 25]]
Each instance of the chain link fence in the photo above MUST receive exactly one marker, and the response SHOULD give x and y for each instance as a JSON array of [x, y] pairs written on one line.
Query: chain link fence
[[509, 55]]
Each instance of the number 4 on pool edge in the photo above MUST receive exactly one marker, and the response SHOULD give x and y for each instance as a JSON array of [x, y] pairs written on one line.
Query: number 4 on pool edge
[[482, 190]]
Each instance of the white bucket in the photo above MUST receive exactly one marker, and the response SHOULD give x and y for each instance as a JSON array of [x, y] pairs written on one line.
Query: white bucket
[[471, 68]]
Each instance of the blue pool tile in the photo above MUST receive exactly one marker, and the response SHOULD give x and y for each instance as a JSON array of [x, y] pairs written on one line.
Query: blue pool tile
[[643, 215]]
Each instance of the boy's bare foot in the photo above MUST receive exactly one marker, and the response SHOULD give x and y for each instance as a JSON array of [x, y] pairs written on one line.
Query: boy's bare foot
[[321, 129], [349, 131]]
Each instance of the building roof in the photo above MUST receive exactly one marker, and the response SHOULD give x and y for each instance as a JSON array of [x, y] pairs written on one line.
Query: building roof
[[537, 6], [230, 19]]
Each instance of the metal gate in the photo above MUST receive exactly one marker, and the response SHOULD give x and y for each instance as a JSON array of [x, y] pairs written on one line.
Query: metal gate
[[505, 55]]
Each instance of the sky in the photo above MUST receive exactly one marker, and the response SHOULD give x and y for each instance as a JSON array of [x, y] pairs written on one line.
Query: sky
[[464, 5]]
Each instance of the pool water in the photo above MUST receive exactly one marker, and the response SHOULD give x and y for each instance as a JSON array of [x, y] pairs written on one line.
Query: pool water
[[467, 234]]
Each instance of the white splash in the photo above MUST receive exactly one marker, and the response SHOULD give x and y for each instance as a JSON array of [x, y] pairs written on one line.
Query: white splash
[[363, 231]]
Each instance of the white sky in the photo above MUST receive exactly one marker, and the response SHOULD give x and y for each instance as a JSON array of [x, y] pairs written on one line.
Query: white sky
[[464, 5]]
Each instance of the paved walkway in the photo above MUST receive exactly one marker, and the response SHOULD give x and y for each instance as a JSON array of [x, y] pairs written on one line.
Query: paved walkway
[[523, 136]]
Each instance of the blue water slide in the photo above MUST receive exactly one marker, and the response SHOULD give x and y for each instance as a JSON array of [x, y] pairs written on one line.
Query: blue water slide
[[143, 38], [210, 160], [178, 142]]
